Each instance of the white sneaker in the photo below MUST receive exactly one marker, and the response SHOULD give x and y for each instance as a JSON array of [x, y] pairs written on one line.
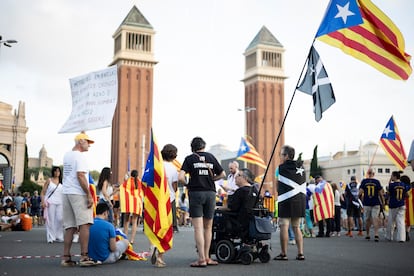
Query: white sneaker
[[75, 238], [292, 242]]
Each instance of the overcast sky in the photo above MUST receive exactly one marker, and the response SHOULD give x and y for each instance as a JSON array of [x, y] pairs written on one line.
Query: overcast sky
[[199, 46]]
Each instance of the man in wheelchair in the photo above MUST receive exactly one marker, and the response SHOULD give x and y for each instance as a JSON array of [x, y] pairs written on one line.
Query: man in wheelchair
[[232, 233], [240, 205]]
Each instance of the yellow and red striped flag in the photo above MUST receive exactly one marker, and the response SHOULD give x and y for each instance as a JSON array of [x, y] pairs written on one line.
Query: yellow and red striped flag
[[248, 153], [130, 198], [92, 190], [409, 207], [391, 143], [157, 205], [323, 203], [362, 30]]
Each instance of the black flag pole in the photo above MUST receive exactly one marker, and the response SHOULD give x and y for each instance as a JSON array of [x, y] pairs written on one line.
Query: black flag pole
[[283, 122]]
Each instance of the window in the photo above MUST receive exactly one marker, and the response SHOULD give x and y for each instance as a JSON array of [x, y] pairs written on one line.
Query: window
[[379, 170], [387, 170]]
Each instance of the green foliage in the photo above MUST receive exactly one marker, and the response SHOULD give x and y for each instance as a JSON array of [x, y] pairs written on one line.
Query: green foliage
[[29, 186], [95, 175], [315, 169]]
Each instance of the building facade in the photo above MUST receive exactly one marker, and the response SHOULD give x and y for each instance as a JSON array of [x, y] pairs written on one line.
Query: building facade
[[264, 95], [12, 144], [42, 161], [132, 122], [344, 164]]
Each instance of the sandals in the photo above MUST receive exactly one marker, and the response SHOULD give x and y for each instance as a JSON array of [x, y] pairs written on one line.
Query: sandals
[[281, 257], [87, 261], [376, 239], [68, 262], [211, 262], [199, 264], [300, 257]]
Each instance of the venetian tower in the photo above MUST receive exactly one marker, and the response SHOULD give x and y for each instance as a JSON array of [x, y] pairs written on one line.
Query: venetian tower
[[131, 125], [264, 91]]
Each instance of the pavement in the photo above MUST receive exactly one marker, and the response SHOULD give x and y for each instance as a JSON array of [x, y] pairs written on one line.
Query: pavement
[[28, 253]]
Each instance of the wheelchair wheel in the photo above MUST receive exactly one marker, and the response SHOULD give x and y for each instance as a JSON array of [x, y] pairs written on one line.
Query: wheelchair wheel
[[225, 251], [246, 258], [264, 257]]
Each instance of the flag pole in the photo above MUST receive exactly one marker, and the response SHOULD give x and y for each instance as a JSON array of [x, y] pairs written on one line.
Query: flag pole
[[283, 122]]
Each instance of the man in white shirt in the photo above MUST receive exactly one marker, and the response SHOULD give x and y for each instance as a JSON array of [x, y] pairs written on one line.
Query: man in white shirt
[[231, 186]]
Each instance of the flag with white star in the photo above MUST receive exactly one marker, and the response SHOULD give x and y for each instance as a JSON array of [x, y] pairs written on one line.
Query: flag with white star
[[248, 153], [316, 83], [291, 188], [391, 143], [362, 30]]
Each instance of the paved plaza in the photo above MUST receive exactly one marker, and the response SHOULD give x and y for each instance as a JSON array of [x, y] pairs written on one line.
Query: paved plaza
[[27, 253]]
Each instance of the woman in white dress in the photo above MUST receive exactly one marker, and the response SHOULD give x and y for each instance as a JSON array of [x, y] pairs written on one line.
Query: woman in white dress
[[52, 206]]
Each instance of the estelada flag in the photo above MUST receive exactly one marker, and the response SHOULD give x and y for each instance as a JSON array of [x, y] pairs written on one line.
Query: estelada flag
[[157, 206], [323, 203]]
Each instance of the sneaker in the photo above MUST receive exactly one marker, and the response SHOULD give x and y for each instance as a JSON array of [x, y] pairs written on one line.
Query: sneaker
[[333, 234], [292, 242], [339, 234]]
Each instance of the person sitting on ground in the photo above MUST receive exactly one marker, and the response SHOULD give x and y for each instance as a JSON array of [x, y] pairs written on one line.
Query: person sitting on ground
[[102, 238], [11, 215]]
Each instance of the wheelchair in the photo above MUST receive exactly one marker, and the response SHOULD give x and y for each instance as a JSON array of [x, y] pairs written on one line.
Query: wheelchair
[[232, 244]]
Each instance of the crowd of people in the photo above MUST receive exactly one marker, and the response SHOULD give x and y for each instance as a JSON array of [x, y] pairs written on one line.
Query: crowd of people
[[69, 207]]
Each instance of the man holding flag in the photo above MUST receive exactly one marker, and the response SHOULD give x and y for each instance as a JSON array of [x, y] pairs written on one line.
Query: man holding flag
[[157, 206]]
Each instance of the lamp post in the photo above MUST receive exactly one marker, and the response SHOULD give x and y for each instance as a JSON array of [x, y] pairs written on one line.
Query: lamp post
[[7, 42], [246, 110]]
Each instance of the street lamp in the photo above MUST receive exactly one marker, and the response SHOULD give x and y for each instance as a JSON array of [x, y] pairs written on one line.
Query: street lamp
[[245, 110], [7, 42]]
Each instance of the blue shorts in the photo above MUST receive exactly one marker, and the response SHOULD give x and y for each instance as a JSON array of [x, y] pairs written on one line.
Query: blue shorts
[[202, 204]]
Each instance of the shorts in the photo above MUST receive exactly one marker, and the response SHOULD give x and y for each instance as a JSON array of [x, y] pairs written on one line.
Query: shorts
[[353, 211], [202, 204], [121, 247], [76, 211], [295, 222], [371, 211], [115, 204]]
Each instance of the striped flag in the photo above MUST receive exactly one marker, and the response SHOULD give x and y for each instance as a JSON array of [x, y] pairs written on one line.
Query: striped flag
[[409, 207], [130, 199], [157, 206], [323, 203], [362, 30], [177, 165], [248, 153], [391, 143]]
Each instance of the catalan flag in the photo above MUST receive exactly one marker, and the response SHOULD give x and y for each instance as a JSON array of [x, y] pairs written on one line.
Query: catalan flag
[[130, 198], [391, 143], [409, 207], [362, 30], [157, 206], [323, 203], [248, 153]]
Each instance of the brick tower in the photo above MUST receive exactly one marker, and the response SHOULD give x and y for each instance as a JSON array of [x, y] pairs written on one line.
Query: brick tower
[[264, 90], [131, 125]]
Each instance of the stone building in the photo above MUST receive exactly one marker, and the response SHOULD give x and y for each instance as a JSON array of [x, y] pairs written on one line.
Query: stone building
[[344, 164], [12, 144], [42, 161]]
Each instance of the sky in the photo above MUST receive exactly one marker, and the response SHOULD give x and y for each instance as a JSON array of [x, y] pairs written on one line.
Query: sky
[[199, 47]]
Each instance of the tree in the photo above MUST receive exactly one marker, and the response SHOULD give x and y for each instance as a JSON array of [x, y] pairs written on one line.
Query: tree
[[315, 170]]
